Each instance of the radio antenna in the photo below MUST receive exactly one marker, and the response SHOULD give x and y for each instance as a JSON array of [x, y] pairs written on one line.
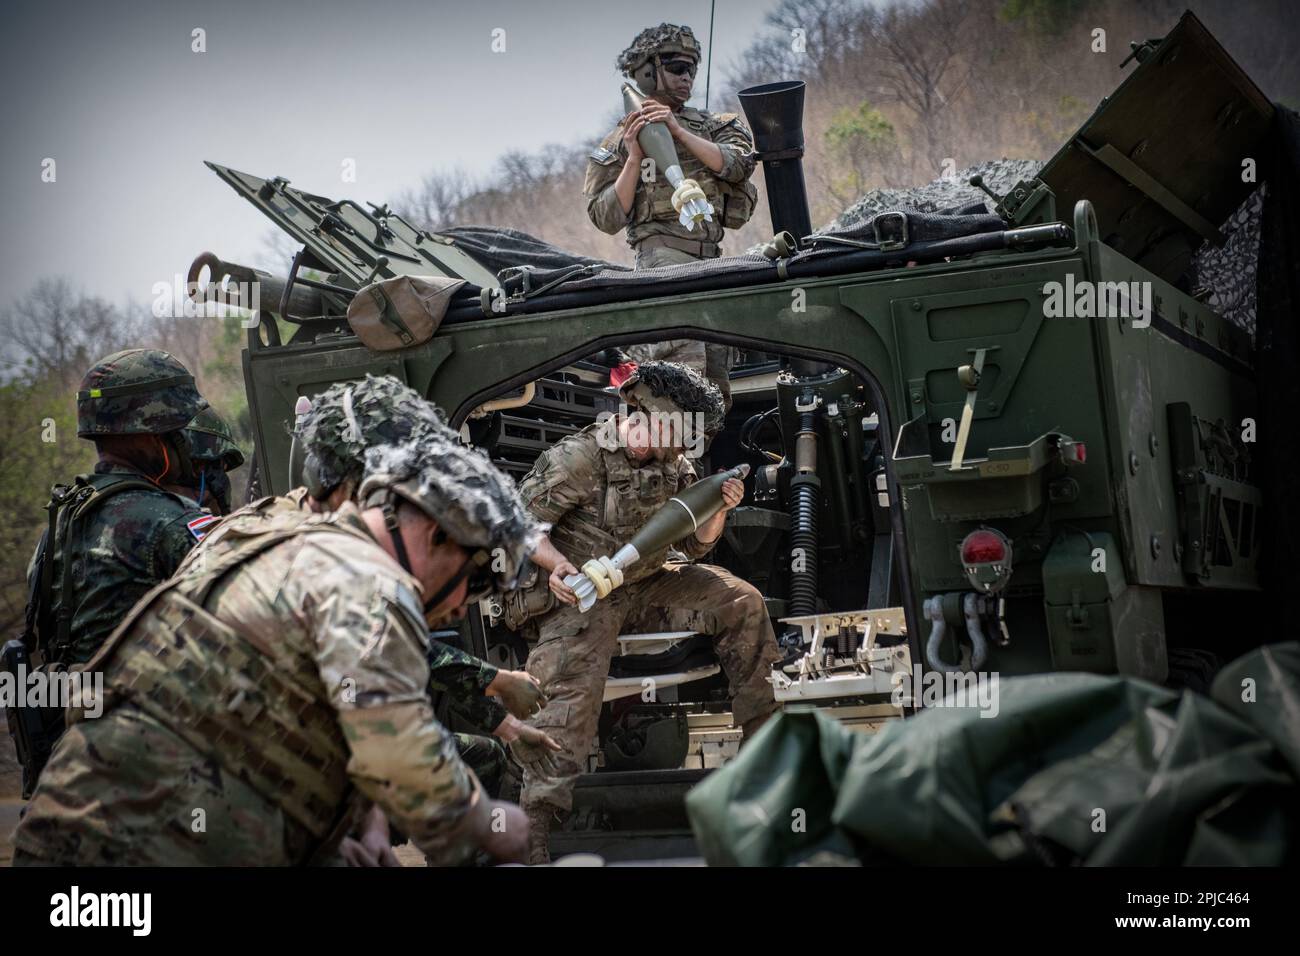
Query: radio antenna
[[708, 67]]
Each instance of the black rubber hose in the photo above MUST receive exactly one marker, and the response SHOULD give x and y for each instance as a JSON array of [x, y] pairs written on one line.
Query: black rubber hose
[[804, 495]]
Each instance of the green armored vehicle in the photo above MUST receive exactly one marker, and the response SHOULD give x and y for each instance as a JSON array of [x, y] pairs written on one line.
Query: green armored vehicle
[[1008, 440]]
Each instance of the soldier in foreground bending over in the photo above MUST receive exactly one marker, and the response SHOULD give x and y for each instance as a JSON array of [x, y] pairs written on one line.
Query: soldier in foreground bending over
[[259, 701], [343, 422]]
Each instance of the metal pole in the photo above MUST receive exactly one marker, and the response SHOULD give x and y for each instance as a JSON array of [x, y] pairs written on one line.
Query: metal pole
[[708, 67]]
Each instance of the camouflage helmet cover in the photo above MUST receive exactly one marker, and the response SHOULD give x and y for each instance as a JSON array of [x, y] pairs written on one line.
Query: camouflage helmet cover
[[211, 440], [680, 387], [350, 417], [136, 392], [458, 487], [663, 39]]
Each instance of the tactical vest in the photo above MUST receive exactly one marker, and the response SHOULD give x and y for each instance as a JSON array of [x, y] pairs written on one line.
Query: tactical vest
[[625, 499], [52, 602], [733, 202], [219, 688]]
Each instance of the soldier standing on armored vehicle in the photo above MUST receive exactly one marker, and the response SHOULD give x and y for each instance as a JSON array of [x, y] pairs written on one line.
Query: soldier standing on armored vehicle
[[715, 150], [221, 745], [113, 534], [596, 489]]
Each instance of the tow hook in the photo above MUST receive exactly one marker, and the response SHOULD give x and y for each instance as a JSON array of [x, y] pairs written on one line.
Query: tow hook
[[973, 611]]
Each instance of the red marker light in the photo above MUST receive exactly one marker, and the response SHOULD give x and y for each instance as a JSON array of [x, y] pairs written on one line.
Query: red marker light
[[1075, 451], [984, 546]]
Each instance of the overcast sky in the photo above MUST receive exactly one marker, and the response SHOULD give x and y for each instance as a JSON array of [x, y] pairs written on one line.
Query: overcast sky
[[114, 94]]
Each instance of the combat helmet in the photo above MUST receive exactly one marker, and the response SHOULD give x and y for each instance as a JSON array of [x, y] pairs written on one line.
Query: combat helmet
[[211, 440], [674, 388], [349, 417], [640, 61], [474, 504], [136, 392]]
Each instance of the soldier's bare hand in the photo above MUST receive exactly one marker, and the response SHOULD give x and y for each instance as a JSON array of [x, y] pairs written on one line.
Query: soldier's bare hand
[[654, 112], [634, 123], [520, 692], [733, 493], [563, 593]]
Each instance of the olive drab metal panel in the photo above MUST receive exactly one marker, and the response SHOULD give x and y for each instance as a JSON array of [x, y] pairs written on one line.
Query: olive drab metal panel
[[358, 244], [1130, 158]]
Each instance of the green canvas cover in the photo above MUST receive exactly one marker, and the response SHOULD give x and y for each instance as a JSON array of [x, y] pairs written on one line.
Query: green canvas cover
[[1073, 769]]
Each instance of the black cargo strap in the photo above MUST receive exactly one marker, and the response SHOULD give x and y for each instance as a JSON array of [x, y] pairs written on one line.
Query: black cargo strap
[[135, 388]]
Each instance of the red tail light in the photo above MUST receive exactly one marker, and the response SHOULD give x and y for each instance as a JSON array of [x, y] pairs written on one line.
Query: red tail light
[[984, 546]]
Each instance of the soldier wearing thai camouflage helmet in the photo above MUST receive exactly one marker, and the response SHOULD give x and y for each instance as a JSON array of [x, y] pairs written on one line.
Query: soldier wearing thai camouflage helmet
[[115, 533], [715, 150], [596, 489], [215, 455], [278, 683]]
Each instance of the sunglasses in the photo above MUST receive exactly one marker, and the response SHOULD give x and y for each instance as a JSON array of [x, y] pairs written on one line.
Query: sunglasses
[[680, 67]]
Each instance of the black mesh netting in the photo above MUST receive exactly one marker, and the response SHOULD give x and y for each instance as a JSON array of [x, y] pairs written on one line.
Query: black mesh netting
[[499, 249]]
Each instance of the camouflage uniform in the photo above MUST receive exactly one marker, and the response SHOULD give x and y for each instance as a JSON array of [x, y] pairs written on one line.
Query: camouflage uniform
[[128, 544], [653, 230], [215, 455], [596, 499], [119, 533], [267, 737], [280, 670], [464, 679], [344, 421], [652, 216]]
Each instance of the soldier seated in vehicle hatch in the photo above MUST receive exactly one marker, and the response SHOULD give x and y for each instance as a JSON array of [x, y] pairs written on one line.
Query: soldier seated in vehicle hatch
[[596, 489]]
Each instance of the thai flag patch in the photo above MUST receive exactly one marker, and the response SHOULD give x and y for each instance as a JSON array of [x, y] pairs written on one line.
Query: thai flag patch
[[201, 526]]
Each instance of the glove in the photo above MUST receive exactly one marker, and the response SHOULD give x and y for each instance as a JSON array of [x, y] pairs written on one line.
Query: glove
[[536, 751]]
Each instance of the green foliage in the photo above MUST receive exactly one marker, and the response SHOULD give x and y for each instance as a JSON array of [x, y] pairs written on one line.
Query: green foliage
[[38, 448], [853, 131], [861, 140]]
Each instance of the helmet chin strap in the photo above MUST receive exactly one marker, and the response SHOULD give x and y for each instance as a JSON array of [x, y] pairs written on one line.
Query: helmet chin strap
[[661, 83], [395, 533], [403, 558]]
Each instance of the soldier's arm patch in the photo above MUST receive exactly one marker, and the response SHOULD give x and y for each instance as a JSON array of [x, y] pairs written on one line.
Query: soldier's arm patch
[[200, 526], [603, 156]]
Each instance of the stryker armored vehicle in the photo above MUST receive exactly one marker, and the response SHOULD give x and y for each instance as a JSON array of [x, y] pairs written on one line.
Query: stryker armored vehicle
[[1013, 439]]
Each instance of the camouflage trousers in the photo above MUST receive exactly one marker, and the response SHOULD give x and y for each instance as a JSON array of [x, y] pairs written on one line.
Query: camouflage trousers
[[487, 758], [574, 650], [710, 359]]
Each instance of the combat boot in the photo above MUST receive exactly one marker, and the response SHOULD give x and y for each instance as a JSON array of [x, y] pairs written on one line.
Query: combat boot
[[751, 726], [540, 819]]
